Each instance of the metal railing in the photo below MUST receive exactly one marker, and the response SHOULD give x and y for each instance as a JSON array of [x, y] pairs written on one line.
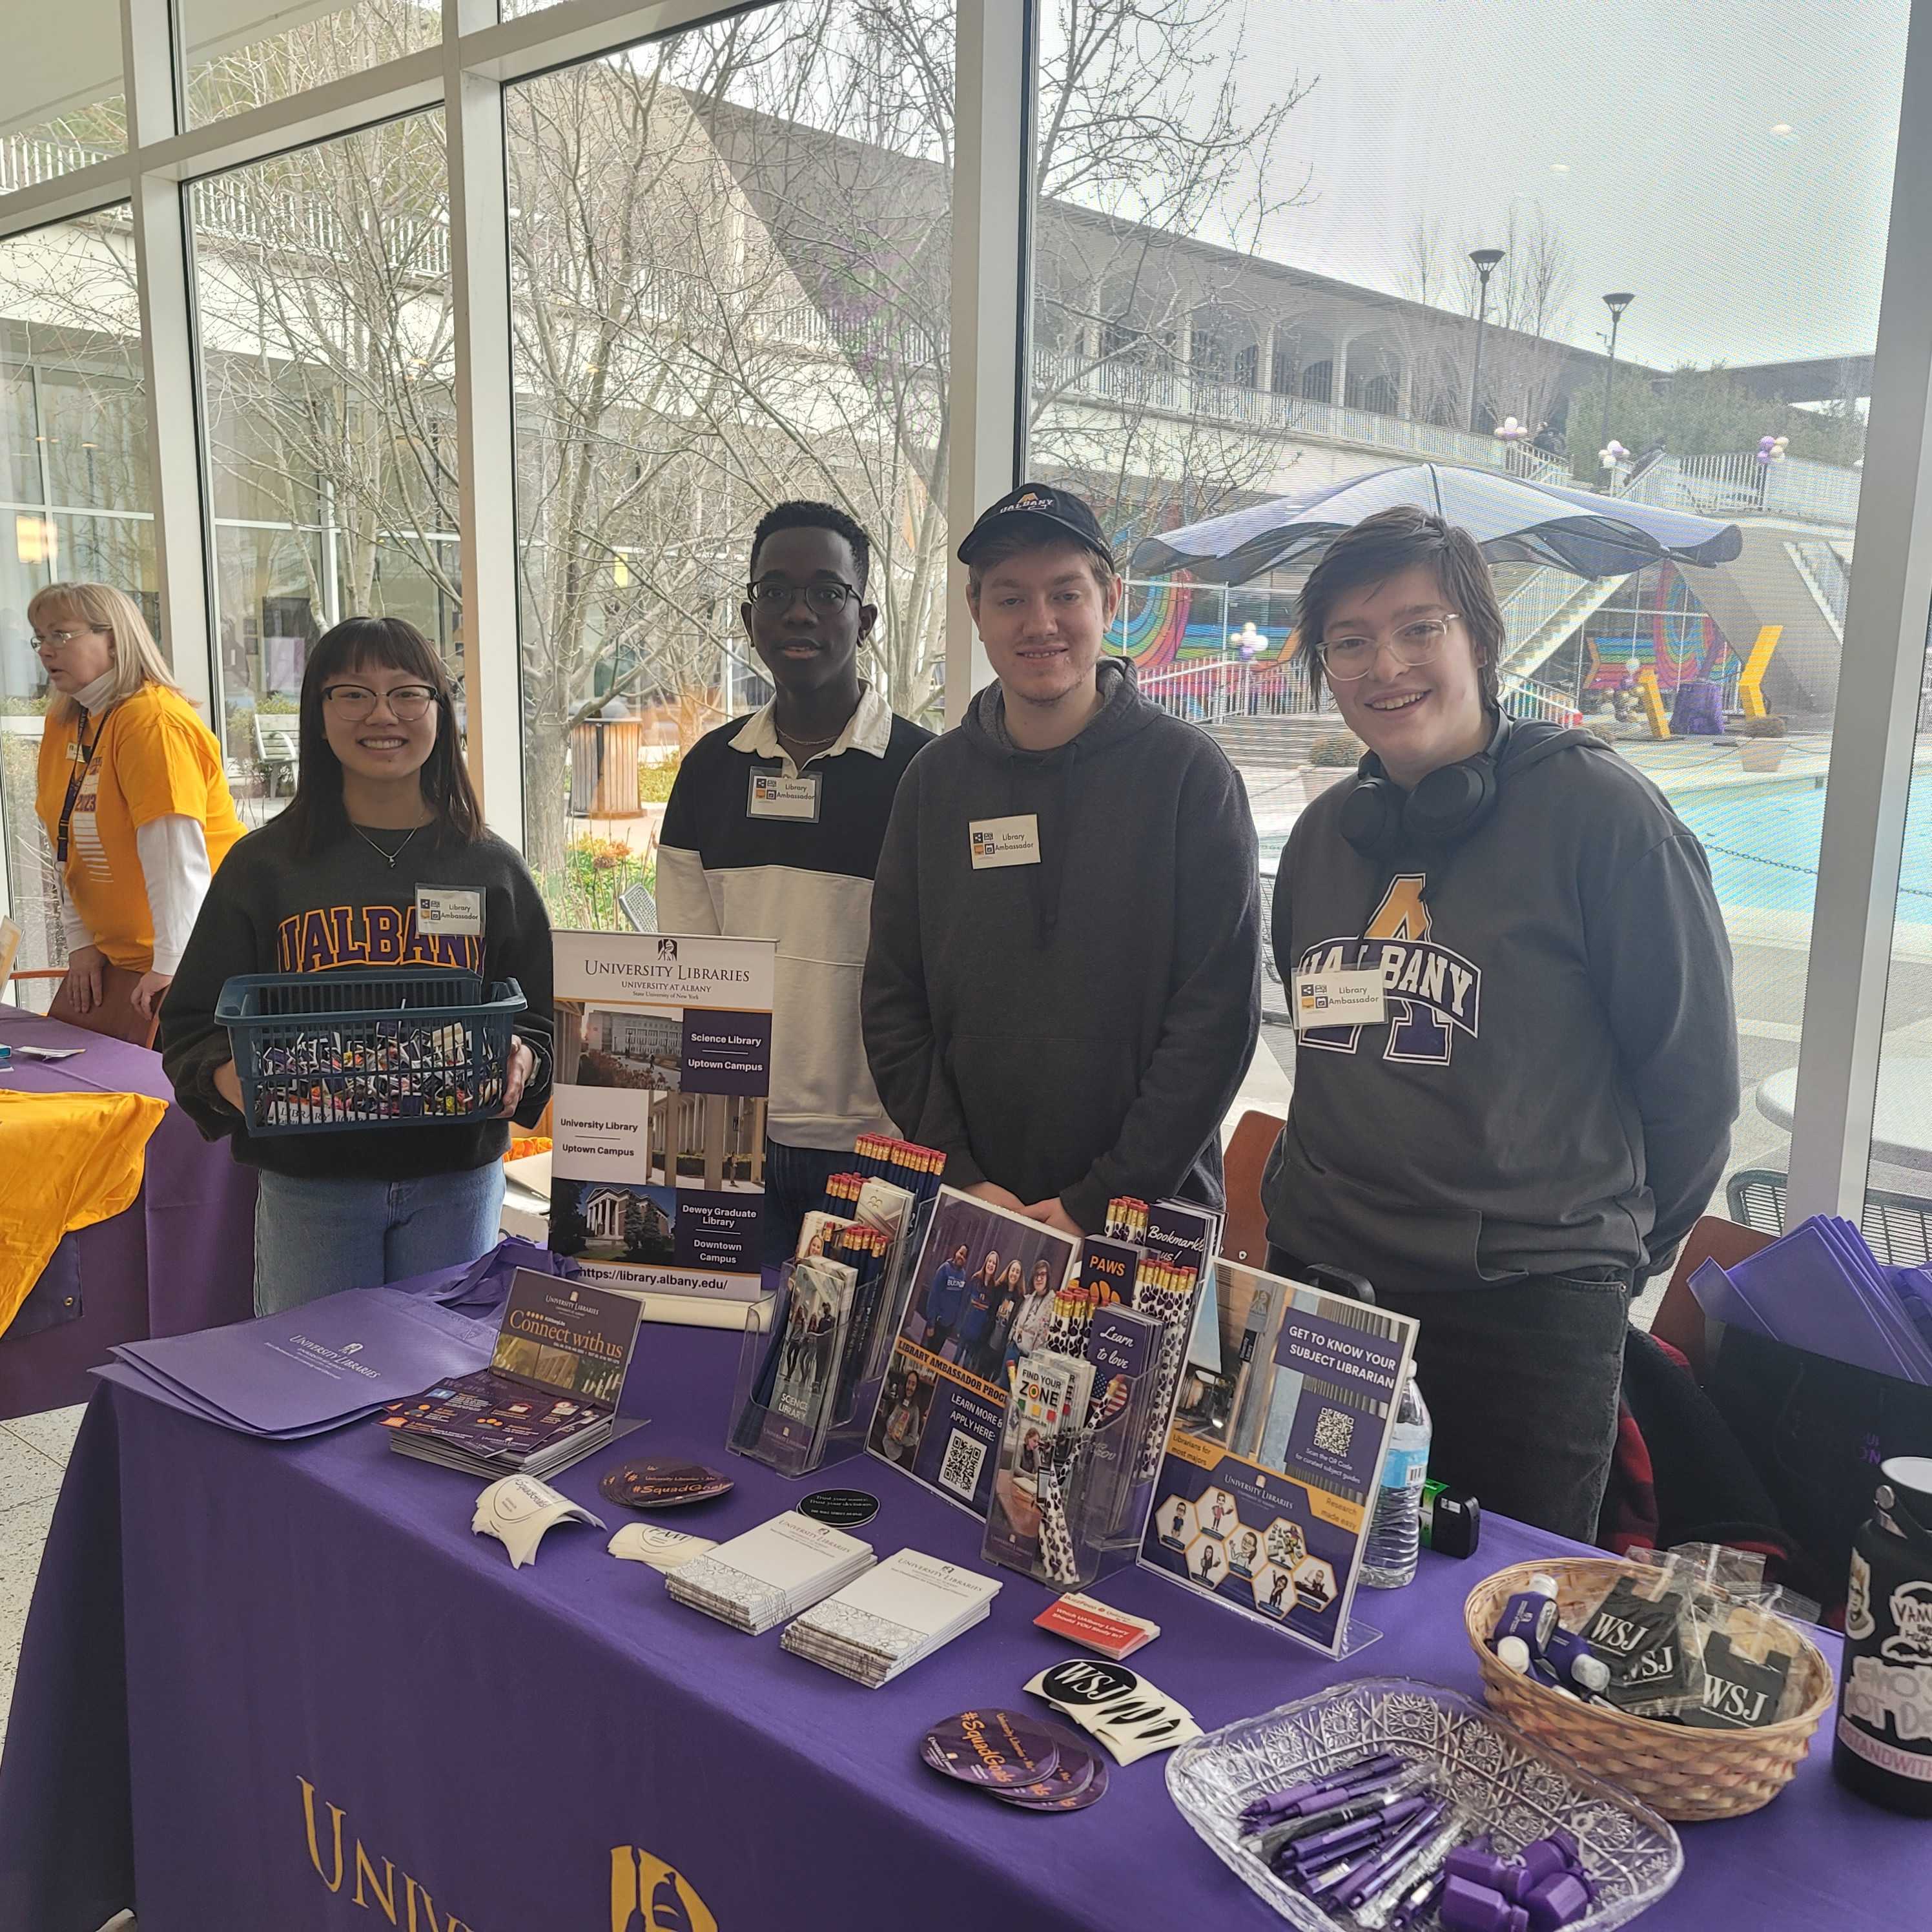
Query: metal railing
[[26, 160], [1548, 703], [1171, 389], [1828, 578], [1736, 484], [1210, 690]]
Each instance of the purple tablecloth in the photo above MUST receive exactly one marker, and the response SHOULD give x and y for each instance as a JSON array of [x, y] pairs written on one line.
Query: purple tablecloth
[[181, 1258], [313, 1632]]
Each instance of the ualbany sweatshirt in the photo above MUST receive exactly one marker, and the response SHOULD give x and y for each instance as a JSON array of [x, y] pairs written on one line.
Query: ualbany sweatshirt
[[1074, 1027], [1554, 1086], [270, 910]]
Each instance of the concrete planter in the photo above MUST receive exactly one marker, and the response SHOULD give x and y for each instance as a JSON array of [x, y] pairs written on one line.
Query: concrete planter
[[1761, 754]]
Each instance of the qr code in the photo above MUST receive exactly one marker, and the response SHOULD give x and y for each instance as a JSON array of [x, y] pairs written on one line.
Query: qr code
[[1334, 1430], [960, 1472]]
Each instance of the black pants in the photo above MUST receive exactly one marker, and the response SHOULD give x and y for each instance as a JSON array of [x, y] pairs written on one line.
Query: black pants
[[1522, 1380], [795, 1180]]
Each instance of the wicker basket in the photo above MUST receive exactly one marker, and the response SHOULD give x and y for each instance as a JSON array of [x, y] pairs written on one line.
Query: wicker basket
[[1688, 1775]]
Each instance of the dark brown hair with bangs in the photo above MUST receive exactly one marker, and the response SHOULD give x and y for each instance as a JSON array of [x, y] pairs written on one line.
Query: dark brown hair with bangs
[[1388, 543], [315, 817]]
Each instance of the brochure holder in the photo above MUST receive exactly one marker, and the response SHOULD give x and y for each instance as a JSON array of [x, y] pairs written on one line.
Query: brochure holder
[[764, 1425], [1069, 1517], [1264, 1504]]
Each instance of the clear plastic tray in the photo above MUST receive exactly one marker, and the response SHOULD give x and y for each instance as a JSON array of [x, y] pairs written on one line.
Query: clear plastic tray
[[1514, 1789]]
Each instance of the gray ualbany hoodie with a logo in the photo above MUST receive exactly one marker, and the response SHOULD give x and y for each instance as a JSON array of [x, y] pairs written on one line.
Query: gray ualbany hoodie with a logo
[[1554, 1088], [1075, 1027]]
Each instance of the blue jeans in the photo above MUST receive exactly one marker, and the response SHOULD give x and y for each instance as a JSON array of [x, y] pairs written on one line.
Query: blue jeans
[[795, 1180], [317, 1238]]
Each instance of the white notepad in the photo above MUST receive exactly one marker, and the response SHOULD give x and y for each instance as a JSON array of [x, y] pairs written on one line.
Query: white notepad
[[885, 1620], [771, 1572]]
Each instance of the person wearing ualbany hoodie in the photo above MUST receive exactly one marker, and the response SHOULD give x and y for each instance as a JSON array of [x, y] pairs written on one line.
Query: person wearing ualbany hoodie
[[382, 806], [1062, 992], [1537, 1104]]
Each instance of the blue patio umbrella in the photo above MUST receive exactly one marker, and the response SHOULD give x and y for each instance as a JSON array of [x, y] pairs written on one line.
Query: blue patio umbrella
[[1514, 520]]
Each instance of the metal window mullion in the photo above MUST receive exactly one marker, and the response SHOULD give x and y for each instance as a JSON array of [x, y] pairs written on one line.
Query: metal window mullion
[[1874, 730], [992, 185], [479, 263], [164, 301]]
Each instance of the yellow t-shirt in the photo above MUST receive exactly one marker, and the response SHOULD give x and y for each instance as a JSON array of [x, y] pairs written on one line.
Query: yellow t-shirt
[[153, 756]]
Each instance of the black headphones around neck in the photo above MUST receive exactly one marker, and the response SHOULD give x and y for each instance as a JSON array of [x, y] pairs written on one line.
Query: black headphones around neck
[[1379, 817]]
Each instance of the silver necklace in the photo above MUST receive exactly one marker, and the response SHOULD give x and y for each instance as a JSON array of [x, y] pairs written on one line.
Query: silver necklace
[[388, 858]]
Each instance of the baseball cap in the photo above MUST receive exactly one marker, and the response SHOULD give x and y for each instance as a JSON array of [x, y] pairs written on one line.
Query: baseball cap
[[1044, 512]]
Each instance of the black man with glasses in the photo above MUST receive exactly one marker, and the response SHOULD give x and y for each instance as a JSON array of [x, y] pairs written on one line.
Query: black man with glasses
[[1516, 1060], [773, 832]]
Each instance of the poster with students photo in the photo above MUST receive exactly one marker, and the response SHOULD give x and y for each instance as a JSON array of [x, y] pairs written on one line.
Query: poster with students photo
[[983, 1284], [664, 1055]]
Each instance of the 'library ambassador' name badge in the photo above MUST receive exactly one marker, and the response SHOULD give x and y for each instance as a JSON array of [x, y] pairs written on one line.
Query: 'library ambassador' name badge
[[1004, 842], [775, 795]]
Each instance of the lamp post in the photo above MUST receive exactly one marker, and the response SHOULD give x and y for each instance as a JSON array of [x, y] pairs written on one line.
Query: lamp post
[[1616, 304], [1486, 260]]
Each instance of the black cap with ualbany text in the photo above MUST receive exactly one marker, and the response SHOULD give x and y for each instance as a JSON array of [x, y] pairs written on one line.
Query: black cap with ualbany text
[[1047, 514]]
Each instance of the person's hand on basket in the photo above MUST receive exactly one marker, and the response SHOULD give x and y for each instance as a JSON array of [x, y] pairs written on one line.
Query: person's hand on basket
[[516, 1076]]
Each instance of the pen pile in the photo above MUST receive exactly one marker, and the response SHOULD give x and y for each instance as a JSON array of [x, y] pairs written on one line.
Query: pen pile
[[1378, 1843], [413, 1072]]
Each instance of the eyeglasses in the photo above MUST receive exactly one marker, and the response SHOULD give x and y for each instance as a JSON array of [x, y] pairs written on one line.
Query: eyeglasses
[[773, 594], [59, 641], [353, 702], [1344, 659]]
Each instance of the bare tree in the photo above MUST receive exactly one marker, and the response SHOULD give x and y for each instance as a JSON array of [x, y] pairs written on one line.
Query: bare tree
[[1525, 343]]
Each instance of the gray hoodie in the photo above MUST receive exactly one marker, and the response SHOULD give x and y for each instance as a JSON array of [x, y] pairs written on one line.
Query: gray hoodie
[[1075, 1027], [1555, 1087]]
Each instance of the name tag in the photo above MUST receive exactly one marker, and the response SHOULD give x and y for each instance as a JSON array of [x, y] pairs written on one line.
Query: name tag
[[1349, 996], [1005, 841], [77, 755], [454, 911], [775, 795]]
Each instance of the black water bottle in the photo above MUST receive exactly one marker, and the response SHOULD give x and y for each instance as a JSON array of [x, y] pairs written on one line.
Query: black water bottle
[[1883, 1747]]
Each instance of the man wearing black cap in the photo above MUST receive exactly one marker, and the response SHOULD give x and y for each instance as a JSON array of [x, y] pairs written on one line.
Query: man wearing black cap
[[1062, 988]]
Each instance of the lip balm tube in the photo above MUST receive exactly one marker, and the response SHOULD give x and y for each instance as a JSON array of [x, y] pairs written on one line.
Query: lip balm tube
[[1531, 1614]]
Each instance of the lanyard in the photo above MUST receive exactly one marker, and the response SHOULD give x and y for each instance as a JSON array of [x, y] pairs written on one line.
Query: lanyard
[[73, 785]]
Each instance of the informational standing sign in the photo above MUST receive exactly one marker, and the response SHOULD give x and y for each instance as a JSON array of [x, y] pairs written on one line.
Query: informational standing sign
[[1277, 1532], [664, 1057]]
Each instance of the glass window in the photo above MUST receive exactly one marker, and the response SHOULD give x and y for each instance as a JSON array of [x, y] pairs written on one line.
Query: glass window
[[718, 302], [1242, 185], [1898, 1203], [243, 53], [323, 294], [61, 106], [74, 495]]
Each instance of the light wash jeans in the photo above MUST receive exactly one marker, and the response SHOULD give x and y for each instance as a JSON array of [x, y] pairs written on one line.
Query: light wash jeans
[[317, 1238]]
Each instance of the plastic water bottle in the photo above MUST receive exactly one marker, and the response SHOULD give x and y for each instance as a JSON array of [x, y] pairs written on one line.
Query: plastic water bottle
[[1395, 1533]]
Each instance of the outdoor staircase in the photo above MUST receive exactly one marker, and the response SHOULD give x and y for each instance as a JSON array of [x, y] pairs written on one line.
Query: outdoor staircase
[[1274, 741]]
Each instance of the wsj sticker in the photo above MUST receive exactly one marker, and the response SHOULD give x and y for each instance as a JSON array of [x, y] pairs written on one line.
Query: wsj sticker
[[775, 795], [456, 911], [1347, 996], [994, 842]]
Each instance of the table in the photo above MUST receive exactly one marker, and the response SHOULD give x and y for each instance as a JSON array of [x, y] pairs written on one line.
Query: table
[[229, 1638], [1901, 1120], [181, 1258]]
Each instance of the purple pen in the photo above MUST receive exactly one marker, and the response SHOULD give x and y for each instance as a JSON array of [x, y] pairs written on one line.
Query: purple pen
[[1341, 1807], [1411, 1834], [1331, 1844], [1412, 1878], [1278, 1804]]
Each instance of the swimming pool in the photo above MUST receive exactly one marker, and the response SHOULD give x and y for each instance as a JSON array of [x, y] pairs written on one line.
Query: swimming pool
[[1763, 843]]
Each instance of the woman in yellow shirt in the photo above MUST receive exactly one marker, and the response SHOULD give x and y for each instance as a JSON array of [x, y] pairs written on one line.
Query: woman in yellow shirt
[[131, 791]]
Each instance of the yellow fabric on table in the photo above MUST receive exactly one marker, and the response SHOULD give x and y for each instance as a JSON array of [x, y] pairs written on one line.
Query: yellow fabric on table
[[70, 1160]]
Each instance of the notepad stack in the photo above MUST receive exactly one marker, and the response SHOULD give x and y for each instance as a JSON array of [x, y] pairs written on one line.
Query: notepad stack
[[887, 1620], [756, 1581]]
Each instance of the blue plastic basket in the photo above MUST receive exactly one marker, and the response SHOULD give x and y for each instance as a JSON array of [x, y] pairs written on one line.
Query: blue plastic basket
[[319, 1053]]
